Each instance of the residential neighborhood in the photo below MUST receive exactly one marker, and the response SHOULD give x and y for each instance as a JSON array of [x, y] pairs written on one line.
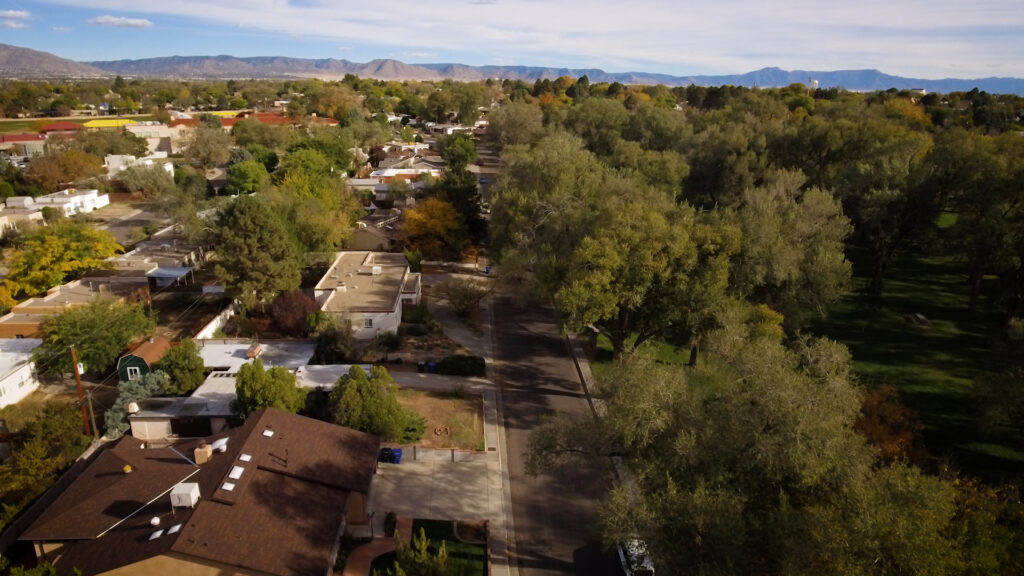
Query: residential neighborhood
[[357, 326]]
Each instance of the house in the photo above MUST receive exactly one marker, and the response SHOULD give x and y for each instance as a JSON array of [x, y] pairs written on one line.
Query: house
[[159, 137], [25, 144], [368, 289], [391, 174], [142, 358], [270, 497], [23, 320], [69, 202], [17, 371], [117, 163]]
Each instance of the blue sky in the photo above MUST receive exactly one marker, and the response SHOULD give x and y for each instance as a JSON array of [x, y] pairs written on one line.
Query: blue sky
[[916, 38]]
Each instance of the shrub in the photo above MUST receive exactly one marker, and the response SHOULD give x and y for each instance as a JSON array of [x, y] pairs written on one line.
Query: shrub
[[462, 365]]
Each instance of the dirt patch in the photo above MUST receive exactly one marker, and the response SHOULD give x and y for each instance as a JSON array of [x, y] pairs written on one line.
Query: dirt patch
[[454, 420]]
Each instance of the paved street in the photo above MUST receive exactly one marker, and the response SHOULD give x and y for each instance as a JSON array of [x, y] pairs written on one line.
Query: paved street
[[554, 518]]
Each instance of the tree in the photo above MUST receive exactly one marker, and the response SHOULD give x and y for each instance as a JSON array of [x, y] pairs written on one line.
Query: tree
[[434, 228], [149, 182], [417, 559], [291, 311], [149, 385], [457, 150], [247, 177], [646, 271], [58, 167], [208, 146], [335, 341], [751, 465], [599, 122], [184, 368], [101, 143], [50, 256], [463, 295], [514, 124], [100, 331], [257, 388], [257, 259], [368, 403], [792, 249]]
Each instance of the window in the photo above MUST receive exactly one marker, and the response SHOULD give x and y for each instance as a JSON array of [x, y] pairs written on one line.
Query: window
[[133, 372], [367, 322]]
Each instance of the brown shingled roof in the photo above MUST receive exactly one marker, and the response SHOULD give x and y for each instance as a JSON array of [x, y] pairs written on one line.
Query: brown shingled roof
[[282, 517], [152, 349]]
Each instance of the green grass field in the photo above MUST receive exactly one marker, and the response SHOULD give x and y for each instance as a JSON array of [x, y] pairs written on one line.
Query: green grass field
[[921, 338], [18, 125]]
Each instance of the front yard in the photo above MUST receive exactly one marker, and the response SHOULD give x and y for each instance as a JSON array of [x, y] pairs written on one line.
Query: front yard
[[454, 420]]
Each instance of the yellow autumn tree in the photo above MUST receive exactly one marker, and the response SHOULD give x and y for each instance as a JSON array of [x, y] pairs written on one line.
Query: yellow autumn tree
[[434, 228]]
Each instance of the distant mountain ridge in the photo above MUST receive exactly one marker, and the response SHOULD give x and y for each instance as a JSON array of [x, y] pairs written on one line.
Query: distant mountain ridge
[[22, 62]]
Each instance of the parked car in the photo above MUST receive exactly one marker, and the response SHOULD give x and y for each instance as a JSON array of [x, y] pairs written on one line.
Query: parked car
[[635, 559], [483, 179]]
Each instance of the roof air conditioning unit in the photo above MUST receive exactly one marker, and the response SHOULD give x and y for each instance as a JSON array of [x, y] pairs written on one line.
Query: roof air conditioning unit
[[185, 495]]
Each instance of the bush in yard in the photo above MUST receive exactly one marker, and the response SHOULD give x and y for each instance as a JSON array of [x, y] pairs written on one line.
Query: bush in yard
[[462, 365], [368, 403]]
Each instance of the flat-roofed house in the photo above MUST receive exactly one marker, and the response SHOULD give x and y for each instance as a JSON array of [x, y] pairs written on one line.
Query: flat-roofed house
[[368, 289]]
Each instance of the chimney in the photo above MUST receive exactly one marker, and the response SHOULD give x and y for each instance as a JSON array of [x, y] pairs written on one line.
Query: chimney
[[203, 453]]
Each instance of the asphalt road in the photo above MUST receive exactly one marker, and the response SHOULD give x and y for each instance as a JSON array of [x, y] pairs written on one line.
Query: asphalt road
[[555, 518]]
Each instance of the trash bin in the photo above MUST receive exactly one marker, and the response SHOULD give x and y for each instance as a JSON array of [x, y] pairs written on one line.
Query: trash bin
[[397, 454], [431, 366], [421, 367], [487, 270], [386, 455]]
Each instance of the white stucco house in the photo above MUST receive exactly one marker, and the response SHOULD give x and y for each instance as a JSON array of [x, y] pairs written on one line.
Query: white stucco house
[[368, 289], [17, 371], [72, 201]]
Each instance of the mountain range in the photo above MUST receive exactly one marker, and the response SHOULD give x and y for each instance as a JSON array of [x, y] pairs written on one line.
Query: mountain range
[[16, 62]]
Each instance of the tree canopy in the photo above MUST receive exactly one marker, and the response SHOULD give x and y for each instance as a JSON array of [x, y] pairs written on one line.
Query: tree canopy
[[49, 256], [100, 331], [257, 388]]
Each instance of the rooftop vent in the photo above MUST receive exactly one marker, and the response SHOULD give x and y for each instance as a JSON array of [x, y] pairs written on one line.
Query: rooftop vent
[[376, 270], [220, 445], [185, 495], [203, 453]]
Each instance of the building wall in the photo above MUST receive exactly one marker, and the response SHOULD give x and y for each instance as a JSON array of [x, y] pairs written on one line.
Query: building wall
[[18, 384], [19, 329], [383, 323], [151, 429]]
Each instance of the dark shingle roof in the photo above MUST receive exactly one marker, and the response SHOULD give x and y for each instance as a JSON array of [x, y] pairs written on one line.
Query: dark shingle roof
[[282, 517]]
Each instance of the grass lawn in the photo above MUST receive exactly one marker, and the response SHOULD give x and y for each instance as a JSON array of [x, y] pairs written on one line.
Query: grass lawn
[[464, 559], [454, 420], [933, 361]]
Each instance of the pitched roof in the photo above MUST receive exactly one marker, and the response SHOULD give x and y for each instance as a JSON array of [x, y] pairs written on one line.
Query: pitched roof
[[151, 350], [281, 517]]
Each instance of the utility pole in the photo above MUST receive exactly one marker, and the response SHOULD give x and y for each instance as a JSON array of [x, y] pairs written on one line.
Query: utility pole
[[81, 393]]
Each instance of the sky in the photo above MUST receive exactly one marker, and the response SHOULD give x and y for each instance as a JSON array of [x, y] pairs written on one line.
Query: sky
[[927, 39]]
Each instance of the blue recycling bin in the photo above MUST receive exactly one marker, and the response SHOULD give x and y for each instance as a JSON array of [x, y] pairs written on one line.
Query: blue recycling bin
[[431, 366], [397, 454], [487, 270]]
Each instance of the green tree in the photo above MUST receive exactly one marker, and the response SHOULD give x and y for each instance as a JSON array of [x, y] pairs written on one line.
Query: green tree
[[458, 151], [416, 558], [247, 177], [257, 388], [464, 295], [100, 331], [792, 249], [208, 147], [100, 143], [149, 182], [184, 368], [256, 258], [369, 403], [514, 124], [63, 166], [149, 385], [50, 256]]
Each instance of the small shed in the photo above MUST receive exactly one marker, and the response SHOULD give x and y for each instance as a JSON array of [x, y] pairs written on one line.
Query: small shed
[[141, 360]]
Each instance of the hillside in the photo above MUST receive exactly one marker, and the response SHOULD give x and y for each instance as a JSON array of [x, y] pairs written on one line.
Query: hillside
[[22, 62], [17, 62]]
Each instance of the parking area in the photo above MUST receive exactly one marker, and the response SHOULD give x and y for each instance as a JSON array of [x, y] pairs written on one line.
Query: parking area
[[429, 484]]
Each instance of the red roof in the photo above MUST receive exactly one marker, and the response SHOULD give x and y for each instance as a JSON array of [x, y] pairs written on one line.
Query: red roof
[[23, 137], [60, 127], [185, 122]]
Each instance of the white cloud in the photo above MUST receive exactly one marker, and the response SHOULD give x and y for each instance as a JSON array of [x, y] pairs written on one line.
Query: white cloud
[[120, 22], [14, 14], [61, 28], [12, 24], [911, 37]]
